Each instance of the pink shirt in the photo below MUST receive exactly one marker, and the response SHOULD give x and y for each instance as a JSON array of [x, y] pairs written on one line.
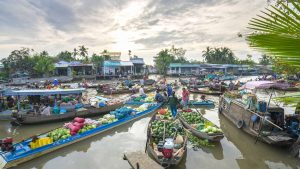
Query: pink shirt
[[185, 95]]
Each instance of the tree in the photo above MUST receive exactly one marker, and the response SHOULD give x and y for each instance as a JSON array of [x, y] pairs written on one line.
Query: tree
[[83, 53], [163, 60], [75, 53], [248, 61], [44, 65], [105, 54], [65, 56], [221, 55], [19, 60], [265, 60], [97, 61], [178, 54]]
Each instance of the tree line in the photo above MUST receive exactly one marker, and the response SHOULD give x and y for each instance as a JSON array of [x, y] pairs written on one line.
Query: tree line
[[39, 64], [221, 55]]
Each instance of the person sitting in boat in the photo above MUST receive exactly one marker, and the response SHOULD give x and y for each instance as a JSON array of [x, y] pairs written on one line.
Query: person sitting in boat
[[10, 101], [175, 83], [203, 97], [169, 90], [158, 97], [141, 91], [46, 111], [55, 82], [231, 86], [173, 102]]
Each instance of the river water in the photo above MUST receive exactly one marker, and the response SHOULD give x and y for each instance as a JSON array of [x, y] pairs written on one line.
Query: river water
[[105, 151]]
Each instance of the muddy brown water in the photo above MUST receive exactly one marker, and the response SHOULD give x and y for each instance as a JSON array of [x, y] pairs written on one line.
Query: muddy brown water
[[105, 151]]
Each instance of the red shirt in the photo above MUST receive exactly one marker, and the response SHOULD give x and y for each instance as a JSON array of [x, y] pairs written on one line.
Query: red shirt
[[185, 95]]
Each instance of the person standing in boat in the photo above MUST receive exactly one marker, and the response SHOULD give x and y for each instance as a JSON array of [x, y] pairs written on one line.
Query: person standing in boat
[[169, 90], [173, 102], [185, 97]]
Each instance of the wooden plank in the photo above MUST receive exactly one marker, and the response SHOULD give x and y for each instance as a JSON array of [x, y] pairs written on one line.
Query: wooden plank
[[140, 160]]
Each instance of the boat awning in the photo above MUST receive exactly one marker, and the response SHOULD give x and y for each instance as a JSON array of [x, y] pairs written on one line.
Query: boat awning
[[36, 92], [258, 85]]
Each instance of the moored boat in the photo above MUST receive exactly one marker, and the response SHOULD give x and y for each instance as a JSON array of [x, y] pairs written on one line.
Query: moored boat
[[53, 140], [58, 113], [166, 140], [200, 127], [201, 102], [205, 91], [126, 90], [257, 118]]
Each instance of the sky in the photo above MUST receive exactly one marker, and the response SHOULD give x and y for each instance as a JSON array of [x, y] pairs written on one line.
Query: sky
[[142, 26]]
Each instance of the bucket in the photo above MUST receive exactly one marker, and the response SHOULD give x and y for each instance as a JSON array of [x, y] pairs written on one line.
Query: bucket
[[262, 106]]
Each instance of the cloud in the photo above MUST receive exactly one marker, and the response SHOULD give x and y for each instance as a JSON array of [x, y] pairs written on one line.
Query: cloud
[[144, 27]]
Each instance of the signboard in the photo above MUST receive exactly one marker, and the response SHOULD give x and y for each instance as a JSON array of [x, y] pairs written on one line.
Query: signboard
[[2, 162]]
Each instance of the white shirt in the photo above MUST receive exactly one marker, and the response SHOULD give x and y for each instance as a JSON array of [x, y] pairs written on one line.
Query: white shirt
[[141, 91]]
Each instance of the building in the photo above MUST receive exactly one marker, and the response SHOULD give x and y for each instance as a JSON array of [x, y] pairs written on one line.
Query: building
[[138, 65], [116, 67], [74, 68], [198, 69], [113, 55]]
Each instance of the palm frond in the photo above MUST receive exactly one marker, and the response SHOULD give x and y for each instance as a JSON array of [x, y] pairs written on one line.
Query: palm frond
[[277, 33]]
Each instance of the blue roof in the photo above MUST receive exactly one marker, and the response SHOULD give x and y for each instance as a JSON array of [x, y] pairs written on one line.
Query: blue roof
[[184, 65], [112, 63]]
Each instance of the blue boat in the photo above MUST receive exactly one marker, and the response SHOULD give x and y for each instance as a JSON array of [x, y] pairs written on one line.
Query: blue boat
[[24, 153], [202, 103]]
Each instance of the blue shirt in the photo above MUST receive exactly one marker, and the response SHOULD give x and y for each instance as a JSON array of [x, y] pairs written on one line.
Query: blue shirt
[[169, 90], [159, 97]]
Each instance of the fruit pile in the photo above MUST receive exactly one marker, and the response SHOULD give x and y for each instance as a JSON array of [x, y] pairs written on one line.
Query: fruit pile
[[199, 123], [87, 127], [59, 134], [106, 119]]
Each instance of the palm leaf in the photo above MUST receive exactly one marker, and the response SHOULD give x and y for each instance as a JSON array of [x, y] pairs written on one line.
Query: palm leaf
[[277, 33]]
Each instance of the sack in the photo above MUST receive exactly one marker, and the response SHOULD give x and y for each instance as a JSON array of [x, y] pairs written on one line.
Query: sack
[[79, 120]]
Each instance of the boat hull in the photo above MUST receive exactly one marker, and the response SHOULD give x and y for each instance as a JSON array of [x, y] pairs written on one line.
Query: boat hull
[[216, 93], [201, 135], [89, 112], [35, 153], [241, 117]]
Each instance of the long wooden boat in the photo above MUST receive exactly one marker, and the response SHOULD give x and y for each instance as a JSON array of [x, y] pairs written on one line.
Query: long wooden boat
[[201, 103], [177, 156], [207, 92], [87, 111], [202, 135], [24, 153], [123, 91], [267, 131], [5, 115]]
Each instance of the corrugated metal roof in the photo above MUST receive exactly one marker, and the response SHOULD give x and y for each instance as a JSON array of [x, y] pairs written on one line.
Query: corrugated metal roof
[[126, 63]]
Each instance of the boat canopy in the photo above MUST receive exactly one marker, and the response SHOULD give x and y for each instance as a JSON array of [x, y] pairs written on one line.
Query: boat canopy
[[35, 92], [258, 85]]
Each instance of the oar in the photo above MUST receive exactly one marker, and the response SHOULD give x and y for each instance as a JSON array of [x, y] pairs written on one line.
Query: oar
[[196, 109]]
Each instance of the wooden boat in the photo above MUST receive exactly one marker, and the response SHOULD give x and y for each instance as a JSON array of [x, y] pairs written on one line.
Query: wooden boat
[[202, 135], [5, 115], [177, 156], [30, 117], [273, 133], [87, 111], [24, 153], [123, 91], [201, 103], [206, 91]]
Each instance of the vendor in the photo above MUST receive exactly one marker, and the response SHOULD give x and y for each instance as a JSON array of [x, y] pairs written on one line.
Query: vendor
[[231, 85], [158, 97], [169, 90], [141, 91]]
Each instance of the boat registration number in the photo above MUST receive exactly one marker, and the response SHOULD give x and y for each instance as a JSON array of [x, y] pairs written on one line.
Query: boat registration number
[[2, 162]]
